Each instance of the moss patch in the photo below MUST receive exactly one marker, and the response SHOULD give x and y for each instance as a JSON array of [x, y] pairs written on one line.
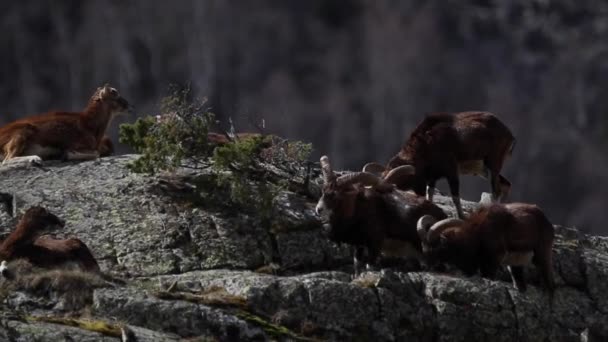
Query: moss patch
[[101, 327], [274, 330], [216, 296], [235, 305]]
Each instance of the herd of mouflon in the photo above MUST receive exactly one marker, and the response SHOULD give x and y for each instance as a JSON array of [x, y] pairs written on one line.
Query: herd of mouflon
[[380, 211]]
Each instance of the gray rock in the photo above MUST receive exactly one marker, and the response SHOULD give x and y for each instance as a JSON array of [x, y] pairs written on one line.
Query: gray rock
[[13, 329], [175, 239], [179, 317]]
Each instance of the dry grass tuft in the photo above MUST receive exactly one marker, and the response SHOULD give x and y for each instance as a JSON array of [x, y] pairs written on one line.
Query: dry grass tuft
[[366, 280], [73, 287], [271, 268], [104, 328], [215, 296], [236, 305]]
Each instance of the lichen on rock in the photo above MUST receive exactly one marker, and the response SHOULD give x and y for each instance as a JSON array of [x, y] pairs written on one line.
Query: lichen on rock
[[296, 284]]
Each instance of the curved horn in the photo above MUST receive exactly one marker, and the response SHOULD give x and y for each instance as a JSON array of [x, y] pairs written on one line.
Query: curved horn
[[102, 91], [423, 224], [105, 90], [398, 173], [374, 168], [328, 173], [437, 228], [359, 177]]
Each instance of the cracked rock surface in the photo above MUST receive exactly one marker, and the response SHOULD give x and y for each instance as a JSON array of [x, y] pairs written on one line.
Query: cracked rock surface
[[208, 270]]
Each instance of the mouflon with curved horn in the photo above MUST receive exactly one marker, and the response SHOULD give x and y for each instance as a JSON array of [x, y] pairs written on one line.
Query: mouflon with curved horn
[[514, 235], [369, 214]]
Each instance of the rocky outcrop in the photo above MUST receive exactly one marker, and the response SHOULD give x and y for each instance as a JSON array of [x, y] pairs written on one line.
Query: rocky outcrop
[[194, 265]]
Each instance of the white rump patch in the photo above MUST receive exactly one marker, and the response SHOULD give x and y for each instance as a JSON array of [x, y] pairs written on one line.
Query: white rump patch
[[517, 258]]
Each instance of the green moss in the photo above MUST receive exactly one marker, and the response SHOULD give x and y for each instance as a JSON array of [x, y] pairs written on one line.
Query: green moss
[[237, 305], [86, 324], [274, 330], [147, 285]]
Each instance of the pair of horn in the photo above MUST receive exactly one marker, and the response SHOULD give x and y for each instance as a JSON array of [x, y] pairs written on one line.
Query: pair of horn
[[393, 176], [102, 92], [364, 178], [437, 227]]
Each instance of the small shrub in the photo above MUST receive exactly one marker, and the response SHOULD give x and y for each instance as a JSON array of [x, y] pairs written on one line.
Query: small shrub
[[241, 159], [287, 155], [179, 138], [168, 140]]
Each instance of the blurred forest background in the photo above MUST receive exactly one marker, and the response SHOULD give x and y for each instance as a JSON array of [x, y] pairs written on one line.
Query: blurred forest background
[[351, 76]]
